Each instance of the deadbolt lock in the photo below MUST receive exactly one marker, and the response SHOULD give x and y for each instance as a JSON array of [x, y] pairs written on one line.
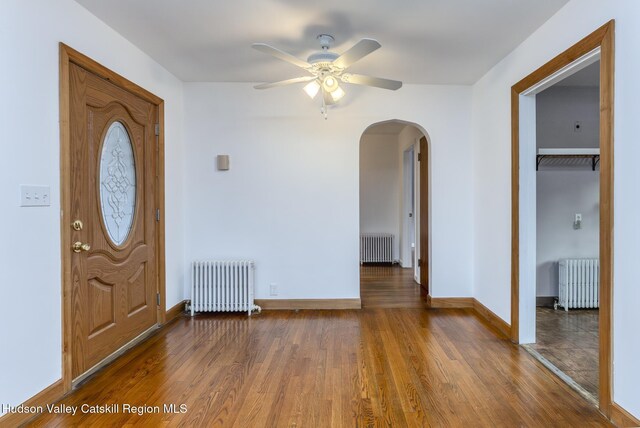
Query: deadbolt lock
[[79, 246], [77, 225]]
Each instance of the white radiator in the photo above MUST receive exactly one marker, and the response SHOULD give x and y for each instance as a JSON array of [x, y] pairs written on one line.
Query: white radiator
[[376, 248], [579, 283], [223, 286]]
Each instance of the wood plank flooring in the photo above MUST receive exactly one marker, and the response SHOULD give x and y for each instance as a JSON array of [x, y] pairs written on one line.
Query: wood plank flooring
[[398, 367], [569, 340], [386, 286]]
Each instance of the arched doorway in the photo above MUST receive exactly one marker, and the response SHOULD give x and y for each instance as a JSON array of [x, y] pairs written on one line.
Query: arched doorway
[[394, 214]]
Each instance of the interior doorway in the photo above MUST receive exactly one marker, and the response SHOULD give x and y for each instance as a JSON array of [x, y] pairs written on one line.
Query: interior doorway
[[567, 227], [394, 226], [597, 48]]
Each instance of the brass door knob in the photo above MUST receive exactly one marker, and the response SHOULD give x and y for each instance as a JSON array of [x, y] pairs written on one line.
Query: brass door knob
[[79, 246]]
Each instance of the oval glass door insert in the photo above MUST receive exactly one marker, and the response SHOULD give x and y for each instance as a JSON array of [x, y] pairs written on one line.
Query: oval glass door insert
[[117, 183]]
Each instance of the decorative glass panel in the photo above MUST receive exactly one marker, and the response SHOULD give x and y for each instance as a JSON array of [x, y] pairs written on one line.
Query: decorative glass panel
[[117, 183]]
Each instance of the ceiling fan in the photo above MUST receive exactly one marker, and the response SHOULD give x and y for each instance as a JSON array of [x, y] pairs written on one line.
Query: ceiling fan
[[327, 70]]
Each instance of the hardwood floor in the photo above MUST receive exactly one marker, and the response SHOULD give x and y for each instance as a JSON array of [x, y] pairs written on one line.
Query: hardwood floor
[[351, 368], [569, 340], [386, 286], [398, 367]]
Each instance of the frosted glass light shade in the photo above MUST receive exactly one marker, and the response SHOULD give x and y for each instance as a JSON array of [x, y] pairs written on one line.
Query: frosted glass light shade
[[312, 88], [337, 94], [330, 83]]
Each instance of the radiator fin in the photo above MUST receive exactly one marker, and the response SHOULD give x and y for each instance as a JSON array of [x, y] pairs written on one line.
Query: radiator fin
[[579, 285], [223, 286], [376, 248]]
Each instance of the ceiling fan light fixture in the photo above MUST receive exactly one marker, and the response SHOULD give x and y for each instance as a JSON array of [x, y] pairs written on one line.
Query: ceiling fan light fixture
[[326, 70], [312, 88], [330, 83], [337, 94]]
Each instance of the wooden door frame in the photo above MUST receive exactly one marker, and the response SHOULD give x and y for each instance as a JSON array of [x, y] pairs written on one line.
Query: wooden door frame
[[69, 56], [602, 38], [423, 203]]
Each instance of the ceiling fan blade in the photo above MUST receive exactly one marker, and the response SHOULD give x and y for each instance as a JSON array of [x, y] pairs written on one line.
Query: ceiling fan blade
[[378, 82], [328, 99], [361, 49], [285, 82], [262, 47]]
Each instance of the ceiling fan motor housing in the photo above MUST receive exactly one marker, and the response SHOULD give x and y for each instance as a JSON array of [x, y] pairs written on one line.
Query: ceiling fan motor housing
[[322, 56]]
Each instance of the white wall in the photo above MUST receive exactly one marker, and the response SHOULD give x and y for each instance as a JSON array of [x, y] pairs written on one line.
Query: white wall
[[380, 186], [492, 168], [290, 200], [560, 195], [558, 108], [30, 289]]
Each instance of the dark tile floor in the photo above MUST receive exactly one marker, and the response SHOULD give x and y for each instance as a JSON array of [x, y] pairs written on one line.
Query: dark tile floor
[[569, 340]]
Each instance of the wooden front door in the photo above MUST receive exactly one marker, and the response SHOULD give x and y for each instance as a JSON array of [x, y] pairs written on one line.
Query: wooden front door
[[114, 165], [424, 215]]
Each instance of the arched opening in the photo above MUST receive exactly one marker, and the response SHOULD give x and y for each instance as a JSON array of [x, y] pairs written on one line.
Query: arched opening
[[394, 170]]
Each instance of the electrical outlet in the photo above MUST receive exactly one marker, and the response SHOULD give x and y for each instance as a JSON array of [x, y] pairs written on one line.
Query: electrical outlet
[[577, 222], [273, 289], [35, 196]]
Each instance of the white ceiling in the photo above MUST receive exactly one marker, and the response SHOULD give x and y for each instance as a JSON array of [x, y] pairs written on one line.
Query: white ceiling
[[423, 41]]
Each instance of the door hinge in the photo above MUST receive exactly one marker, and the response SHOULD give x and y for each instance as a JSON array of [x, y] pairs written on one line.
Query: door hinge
[[419, 262], [157, 129], [419, 157], [158, 298], [157, 214]]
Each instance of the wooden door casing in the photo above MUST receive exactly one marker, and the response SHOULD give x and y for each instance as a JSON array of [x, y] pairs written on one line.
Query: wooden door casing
[[113, 286], [424, 215]]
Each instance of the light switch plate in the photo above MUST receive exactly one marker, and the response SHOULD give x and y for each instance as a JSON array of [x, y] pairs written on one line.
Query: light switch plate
[[35, 196]]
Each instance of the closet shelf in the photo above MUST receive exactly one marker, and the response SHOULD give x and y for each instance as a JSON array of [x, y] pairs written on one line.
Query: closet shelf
[[592, 154]]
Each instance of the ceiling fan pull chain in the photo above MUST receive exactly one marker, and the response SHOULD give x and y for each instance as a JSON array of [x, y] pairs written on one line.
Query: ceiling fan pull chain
[[323, 109]]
